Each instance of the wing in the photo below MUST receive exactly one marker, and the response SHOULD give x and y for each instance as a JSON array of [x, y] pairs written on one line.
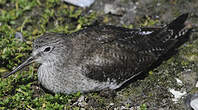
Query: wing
[[117, 65], [116, 54]]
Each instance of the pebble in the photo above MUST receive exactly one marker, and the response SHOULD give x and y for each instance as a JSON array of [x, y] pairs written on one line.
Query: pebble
[[19, 36]]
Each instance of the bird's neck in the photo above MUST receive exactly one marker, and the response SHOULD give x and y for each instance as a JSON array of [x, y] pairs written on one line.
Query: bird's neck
[[47, 75]]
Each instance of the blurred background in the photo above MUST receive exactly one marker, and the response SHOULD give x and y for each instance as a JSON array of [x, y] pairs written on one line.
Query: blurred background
[[170, 86]]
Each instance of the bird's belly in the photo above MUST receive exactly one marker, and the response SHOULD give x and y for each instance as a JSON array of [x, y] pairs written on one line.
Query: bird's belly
[[80, 83], [69, 82]]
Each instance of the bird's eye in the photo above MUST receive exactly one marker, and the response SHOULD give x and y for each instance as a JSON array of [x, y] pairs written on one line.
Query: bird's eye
[[47, 49]]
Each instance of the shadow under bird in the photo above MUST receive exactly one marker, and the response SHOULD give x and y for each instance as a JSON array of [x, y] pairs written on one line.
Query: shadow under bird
[[100, 57]]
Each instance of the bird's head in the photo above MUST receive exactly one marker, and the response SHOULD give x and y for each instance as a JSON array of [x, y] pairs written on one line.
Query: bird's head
[[48, 48]]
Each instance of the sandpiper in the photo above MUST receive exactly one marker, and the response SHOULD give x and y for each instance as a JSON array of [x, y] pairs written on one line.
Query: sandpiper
[[99, 57]]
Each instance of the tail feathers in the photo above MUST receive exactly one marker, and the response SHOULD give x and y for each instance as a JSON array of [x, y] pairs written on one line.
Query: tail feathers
[[178, 23], [179, 39], [177, 29], [171, 36], [185, 37], [173, 44], [174, 30], [171, 31]]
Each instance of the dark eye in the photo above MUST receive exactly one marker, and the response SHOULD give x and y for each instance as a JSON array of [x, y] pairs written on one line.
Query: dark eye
[[47, 49]]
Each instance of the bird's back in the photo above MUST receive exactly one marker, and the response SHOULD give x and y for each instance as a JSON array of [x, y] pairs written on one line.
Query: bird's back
[[117, 54]]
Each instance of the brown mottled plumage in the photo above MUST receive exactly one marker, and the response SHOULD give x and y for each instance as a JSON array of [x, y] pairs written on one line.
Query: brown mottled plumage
[[99, 57]]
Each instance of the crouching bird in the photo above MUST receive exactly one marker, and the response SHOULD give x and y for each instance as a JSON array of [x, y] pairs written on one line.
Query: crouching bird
[[99, 57]]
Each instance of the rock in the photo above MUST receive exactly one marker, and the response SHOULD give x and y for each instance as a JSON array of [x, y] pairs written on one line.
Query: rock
[[81, 102], [177, 94], [194, 103], [191, 101], [113, 9], [81, 3]]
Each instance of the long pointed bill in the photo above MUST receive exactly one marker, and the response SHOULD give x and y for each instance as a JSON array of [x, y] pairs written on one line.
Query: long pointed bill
[[27, 62]]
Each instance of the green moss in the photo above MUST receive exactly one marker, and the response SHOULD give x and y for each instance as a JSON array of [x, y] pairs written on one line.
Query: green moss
[[149, 22], [33, 18], [143, 107]]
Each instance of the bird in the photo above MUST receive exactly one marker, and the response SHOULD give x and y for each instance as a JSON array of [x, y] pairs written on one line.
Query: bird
[[101, 56]]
